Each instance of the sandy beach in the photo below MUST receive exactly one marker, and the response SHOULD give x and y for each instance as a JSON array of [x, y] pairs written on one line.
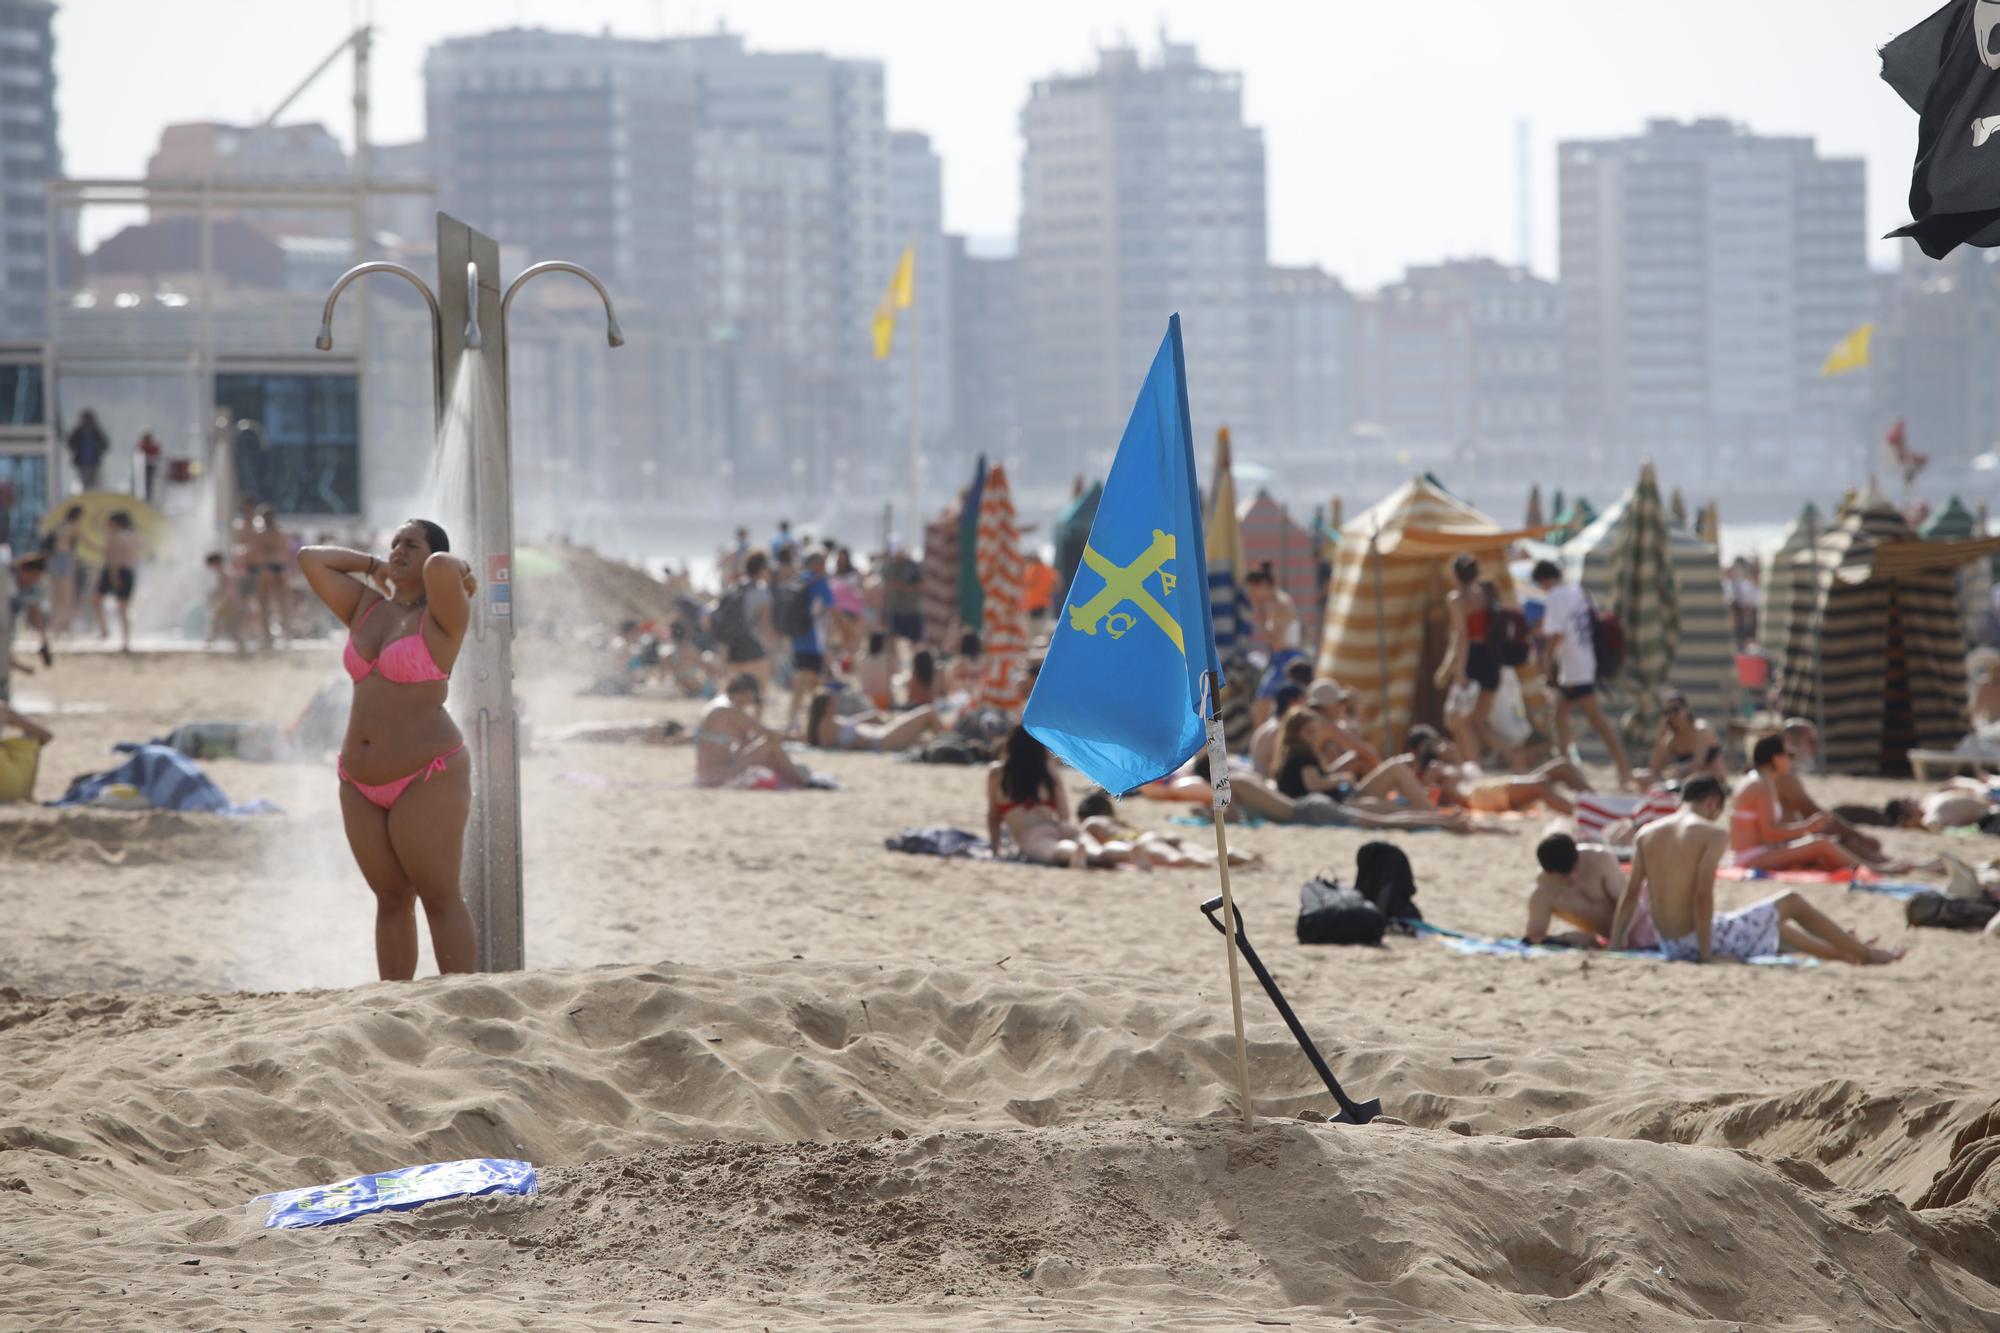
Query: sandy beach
[[774, 1076]]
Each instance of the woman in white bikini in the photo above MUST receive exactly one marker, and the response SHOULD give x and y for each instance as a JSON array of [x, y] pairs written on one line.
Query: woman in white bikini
[[880, 732]]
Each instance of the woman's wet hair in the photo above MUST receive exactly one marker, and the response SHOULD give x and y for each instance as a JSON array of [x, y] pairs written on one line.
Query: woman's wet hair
[[743, 683], [434, 536], [923, 667], [1024, 768], [968, 645], [816, 713], [1465, 567]]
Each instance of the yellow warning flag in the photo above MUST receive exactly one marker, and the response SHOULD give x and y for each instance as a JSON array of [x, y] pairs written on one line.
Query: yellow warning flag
[[1850, 353], [902, 291]]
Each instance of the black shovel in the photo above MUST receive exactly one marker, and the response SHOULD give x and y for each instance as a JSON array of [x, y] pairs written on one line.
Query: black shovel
[[1351, 1111]]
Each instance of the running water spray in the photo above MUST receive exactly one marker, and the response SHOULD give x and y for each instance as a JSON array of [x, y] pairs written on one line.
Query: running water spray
[[467, 498]]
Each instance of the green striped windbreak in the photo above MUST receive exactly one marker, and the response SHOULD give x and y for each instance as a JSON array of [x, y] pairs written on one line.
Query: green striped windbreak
[[1780, 590]]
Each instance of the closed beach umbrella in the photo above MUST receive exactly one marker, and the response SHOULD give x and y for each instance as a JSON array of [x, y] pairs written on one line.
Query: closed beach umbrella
[[1556, 505], [1677, 508], [1710, 527], [1004, 636], [968, 543], [940, 574], [1782, 581], [1227, 605], [1534, 515], [1623, 562]]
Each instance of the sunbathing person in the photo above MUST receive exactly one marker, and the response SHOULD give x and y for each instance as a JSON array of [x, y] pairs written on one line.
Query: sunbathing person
[[827, 730], [1025, 800], [1256, 798], [1334, 703], [1955, 803], [1122, 844], [1581, 883], [733, 747], [1795, 803], [1760, 839], [1687, 744], [1438, 764], [1264, 740], [1674, 865], [1307, 764]]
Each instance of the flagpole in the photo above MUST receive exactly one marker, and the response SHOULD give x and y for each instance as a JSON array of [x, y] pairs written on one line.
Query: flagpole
[[1219, 795]]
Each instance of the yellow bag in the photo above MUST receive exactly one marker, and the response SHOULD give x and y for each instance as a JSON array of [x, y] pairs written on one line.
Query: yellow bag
[[19, 758]]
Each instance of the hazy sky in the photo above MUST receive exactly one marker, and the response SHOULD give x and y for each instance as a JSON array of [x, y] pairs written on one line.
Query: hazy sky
[[1389, 125]]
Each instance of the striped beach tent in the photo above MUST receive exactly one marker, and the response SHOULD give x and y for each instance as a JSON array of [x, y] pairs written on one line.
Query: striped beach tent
[[1271, 536], [1533, 519], [1387, 628], [940, 587], [1004, 636], [1073, 533], [1665, 585], [1955, 522], [1228, 607], [1781, 581], [1876, 647]]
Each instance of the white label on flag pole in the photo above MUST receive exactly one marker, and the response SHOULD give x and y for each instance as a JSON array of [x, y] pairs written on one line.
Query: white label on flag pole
[[1218, 765]]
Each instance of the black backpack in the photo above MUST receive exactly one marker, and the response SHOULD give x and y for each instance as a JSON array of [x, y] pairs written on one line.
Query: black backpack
[[1382, 875], [791, 607], [1935, 909], [1331, 913], [729, 622]]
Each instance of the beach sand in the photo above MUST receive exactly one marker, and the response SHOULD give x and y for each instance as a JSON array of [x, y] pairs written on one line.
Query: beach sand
[[775, 1076]]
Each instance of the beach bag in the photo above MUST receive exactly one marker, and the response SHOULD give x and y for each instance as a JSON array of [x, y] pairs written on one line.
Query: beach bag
[[1935, 909], [1332, 913], [791, 607], [1383, 876], [728, 622], [20, 756], [1607, 641], [1508, 634], [1509, 718]]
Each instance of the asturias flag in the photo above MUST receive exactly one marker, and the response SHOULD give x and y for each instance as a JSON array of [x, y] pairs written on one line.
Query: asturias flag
[[1120, 693]]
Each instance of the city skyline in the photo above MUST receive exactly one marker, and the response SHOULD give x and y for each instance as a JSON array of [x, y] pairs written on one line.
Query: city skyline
[[1428, 182]]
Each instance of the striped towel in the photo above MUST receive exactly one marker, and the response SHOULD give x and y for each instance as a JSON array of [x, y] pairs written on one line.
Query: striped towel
[[1596, 810]]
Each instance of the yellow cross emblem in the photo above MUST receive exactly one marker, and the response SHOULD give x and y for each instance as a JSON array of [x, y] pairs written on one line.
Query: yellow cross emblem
[[1128, 584]]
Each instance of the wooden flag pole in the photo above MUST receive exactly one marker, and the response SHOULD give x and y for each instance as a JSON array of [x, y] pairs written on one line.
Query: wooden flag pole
[[1218, 776]]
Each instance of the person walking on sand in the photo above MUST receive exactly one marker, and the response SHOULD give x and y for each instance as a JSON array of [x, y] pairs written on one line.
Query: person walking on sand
[[123, 550], [1471, 660], [1673, 871], [267, 552], [1566, 626], [62, 553], [405, 778]]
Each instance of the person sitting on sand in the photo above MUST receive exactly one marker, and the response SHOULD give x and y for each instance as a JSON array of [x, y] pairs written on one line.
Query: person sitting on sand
[[1334, 704], [1581, 883], [1458, 782], [1122, 844], [733, 747], [1673, 868], [920, 686], [1305, 768], [405, 778], [826, 729], [1687, 744], [1025, 800], [1986, 696], [1264, 740], [1797, 805], [963, 678], [1760, 839], [875, 673]]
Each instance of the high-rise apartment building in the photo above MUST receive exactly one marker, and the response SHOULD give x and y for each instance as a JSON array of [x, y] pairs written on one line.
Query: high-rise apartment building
[[1706, 273], [29, 158], [915, 217], [1311, 343], [1142, 194], [986, 355]]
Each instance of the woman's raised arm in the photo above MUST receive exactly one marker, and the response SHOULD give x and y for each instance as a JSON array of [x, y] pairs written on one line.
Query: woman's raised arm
[[327, 570]]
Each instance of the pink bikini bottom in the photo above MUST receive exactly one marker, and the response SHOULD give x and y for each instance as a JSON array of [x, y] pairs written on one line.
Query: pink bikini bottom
[[388, 793]]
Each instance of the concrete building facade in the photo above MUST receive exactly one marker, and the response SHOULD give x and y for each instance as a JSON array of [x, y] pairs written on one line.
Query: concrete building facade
[[29, 157]]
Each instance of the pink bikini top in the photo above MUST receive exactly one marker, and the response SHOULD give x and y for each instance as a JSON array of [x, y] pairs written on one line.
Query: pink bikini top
[[404, 661]]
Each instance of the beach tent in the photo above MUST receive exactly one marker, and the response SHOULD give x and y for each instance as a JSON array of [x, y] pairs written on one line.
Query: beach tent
[[1229, 608], [1386, 627], [1580, 515], [1534, 515], [1072, 532], [1003, 638], [1779, 591], [1270, 535], [1665, 586], [969, 592], [940, 587], [1709, 526], [1677, 508], [1876, 649], [1955, 522]]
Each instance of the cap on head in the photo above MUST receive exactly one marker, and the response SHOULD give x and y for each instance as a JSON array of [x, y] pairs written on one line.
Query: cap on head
[[1326, 694]]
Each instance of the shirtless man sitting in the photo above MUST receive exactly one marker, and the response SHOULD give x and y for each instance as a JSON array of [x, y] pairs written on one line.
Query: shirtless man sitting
[[733, 748], [1581, 883], [1673, 870], [1461, 783], [1759, 838]]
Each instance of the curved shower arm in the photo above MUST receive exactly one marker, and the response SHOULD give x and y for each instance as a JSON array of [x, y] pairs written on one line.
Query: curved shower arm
[[612, 333], [325, 340]]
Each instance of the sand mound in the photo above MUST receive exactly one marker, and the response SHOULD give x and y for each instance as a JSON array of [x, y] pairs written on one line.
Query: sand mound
[[127, 838], [573, 588]]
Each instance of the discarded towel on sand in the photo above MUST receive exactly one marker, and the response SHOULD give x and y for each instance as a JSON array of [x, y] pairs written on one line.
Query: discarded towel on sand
[[395, 1191], [942, 840], [165, 779]]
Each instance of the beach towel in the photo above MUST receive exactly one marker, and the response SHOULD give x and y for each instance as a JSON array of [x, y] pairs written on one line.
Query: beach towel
[[941, 840], [1596, 810], [165, 779], [395, 1191], [1494, 947], [1860, 881]]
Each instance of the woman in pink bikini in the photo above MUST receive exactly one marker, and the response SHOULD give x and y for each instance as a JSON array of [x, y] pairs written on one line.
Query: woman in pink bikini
[[405, 786]]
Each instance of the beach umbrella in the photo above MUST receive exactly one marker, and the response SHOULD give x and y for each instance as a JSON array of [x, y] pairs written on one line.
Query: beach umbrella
[[1624, 561], [1580, 515], [1228, 607], [968, 541], [940, 579], [1534, 515], [1003, 635], [1710, 527], [1072, 532], [95, 525], [1677, 508], [1556, 504]]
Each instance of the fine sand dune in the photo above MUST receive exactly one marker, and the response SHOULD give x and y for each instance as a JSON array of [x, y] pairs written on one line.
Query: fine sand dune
[[867, 1090]]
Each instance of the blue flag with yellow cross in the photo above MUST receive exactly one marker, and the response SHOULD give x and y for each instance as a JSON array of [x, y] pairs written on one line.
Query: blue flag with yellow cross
[[1120, 695]]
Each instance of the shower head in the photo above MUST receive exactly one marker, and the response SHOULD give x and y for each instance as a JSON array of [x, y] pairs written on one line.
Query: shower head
[[325, 340], [471, 306], [613, 334]]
